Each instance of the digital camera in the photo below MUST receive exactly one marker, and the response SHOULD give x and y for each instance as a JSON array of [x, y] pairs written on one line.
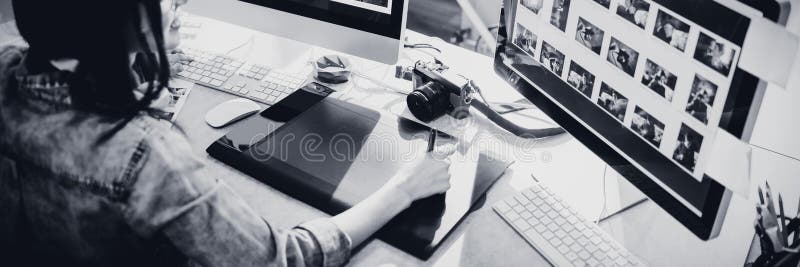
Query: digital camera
[[438, 91]]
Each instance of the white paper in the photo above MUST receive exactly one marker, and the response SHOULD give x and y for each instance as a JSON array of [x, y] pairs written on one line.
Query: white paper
[[729, 163], [769, 52]]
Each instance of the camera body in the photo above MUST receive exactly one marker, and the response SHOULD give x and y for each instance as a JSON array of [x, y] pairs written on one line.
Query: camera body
[[438, 91]]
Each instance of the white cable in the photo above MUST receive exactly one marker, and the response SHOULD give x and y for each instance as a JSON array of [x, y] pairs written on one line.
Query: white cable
[[382, 84], [603, 207], [513, 105], [246, 42]]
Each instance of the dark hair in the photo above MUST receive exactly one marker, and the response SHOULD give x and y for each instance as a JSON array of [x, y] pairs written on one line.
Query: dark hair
[[101, 35]]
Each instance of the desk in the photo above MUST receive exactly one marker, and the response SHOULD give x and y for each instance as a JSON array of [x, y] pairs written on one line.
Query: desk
[[482, 239]]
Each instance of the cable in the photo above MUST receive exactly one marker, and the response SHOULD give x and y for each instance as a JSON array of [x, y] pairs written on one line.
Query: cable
[[605, 200], [246, 42], [513, 128], [379, 83], [422, 46]]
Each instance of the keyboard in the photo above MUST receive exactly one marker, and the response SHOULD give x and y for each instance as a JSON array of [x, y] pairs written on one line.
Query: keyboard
[[559, 233], [253, 81]]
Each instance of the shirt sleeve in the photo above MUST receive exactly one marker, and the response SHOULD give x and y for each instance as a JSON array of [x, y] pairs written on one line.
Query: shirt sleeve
[[213, 226]]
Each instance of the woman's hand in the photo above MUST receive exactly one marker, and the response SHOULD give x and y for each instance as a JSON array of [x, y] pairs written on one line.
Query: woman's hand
[[176, 60], [423, 178]]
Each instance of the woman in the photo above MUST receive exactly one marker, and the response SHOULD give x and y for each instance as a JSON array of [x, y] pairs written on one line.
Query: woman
[[88, 178]]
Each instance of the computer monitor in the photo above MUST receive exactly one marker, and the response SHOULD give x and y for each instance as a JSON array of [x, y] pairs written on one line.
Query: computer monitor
[[645, 85], [371, 29]]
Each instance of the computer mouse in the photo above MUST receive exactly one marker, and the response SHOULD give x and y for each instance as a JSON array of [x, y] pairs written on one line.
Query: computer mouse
[[230, 111]]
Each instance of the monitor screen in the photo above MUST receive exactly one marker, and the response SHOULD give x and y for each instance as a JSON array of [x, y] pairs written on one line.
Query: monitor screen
[[382, 17], [645, 84]]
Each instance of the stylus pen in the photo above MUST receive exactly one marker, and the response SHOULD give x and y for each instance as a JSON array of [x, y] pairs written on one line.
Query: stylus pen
[[784, 231], [431, 140]]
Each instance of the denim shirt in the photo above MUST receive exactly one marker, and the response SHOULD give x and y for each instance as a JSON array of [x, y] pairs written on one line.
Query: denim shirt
[[141, 198]]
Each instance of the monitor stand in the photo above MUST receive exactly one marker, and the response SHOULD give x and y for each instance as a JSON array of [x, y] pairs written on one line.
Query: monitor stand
[[620, 195]]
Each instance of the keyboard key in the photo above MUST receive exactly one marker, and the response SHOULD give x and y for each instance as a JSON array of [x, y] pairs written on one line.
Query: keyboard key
[[272, 98], [216, 83], [538, 214], [512, 216], [519, 208], [205, 80], [560, 233], [584, 255], [565, 249], [522, 224], [540, 228], [599, 255], [259, 95], [529, 194], [575, 247], [244, 91], [592, 262], [218, 76], [547, 235], [525, 214], [554, 215], [521, 199], [556, 242], [512, 202], [502, 207]]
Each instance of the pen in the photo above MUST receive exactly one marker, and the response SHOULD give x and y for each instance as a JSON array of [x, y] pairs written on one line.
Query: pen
[[784, 235], [431, 139], [770, 204], [761, 196]]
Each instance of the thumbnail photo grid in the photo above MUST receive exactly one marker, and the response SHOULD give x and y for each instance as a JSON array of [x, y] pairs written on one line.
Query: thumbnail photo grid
[[525, 39], [685, 83]]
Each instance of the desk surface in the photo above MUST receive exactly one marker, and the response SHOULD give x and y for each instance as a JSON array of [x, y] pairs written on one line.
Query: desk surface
[[482, 239]]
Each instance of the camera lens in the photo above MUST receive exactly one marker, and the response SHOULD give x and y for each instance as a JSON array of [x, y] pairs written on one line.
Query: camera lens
[[428, 102]]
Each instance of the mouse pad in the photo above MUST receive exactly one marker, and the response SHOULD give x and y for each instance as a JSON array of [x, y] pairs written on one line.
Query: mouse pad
[[335, 154]]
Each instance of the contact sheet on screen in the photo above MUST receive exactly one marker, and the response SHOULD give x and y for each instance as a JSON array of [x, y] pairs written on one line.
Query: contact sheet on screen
[[659, 74]]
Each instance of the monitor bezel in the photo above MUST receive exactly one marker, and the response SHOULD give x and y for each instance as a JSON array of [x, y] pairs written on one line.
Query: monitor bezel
[[393, 30]]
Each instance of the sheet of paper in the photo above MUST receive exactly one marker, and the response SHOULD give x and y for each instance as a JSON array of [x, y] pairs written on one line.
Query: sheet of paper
[[769, 52], [729, 163]]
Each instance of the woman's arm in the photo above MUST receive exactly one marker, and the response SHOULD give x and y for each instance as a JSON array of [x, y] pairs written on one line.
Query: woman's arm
[[175, 196], [422, 179]]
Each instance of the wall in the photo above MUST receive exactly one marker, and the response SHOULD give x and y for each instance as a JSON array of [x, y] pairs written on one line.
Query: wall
[[6, 13]]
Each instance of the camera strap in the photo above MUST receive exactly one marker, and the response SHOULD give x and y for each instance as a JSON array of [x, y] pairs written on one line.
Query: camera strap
[[512, 127]]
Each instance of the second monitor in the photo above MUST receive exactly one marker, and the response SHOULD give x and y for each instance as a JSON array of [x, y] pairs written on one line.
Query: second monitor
[[372, 29]]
